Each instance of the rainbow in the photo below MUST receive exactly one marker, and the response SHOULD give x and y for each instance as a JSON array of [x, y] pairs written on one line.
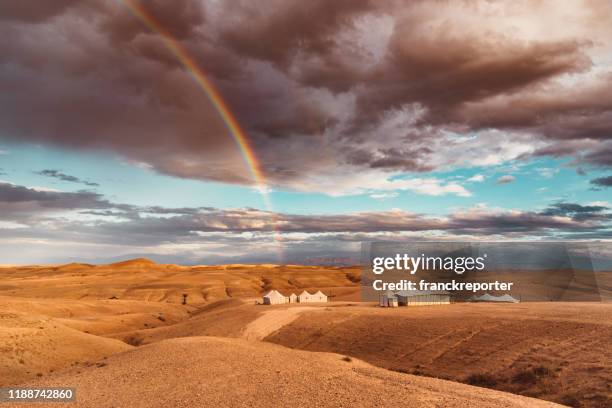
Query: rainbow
[[198, 75]]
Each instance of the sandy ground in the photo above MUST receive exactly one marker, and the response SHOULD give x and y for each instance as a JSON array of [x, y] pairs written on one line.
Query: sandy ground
[[40, 336], [208, 371], [121, 335], [554, 351]]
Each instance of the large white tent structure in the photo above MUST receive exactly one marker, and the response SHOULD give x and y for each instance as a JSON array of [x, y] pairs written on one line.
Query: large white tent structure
[[413, 298], [274, 297]]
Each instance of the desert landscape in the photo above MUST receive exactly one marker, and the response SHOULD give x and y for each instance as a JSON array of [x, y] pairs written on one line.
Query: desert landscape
[[124, 334]]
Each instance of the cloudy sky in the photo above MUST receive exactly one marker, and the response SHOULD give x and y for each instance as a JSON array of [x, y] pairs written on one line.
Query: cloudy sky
[[369, 120]]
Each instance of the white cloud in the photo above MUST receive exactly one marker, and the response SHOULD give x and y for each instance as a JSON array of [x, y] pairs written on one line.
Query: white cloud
[[44, 189], [505, 179], [382, 196], [476, 178], [11, 225], [547, 172]]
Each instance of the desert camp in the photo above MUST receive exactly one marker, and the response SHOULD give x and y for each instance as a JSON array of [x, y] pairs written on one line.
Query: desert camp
[[274, 297]]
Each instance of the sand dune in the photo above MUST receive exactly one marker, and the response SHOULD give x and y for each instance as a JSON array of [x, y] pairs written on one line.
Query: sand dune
[[142, 279], [31, 346], [226, 318], [39, 336], [207, 371]]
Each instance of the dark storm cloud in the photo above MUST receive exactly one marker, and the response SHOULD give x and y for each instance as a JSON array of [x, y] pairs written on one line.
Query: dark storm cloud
[[65, 177], [578, 113], [21, 200], [180, 18], [281, 29], [33, 10], [578, 212], [602, 156], [408, 159], [602, 181], [313, 83], [444, 69]]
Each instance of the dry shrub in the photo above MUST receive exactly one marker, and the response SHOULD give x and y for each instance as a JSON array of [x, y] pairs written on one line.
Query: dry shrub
[[134, 341], [482, 380], [532, 375]]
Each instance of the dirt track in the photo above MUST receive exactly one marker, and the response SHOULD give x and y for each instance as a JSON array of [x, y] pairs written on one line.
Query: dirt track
[[273, 320]]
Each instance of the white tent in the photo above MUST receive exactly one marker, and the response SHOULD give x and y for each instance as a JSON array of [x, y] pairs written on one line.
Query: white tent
[[304, 297], [319, 297], [293, 298], [490, 298], [274, 297]]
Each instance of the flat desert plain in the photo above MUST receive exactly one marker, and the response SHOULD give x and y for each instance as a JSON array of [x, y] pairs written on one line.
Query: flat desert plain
[[121, 335]]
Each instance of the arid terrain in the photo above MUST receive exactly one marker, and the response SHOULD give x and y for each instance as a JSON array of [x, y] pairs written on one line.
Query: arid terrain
[[555, 351], [125, 326]]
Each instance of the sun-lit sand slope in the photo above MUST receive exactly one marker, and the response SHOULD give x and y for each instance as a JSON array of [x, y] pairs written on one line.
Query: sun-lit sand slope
[[52, 317], [142, 279], [226, 318], [123, 325], [555, 351], [39, 336], [209, 371]]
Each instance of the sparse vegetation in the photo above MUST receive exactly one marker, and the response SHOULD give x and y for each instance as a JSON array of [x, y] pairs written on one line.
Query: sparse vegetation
[[482, 380], [531, 375], [524, 377], [571, 400], [353, 277], [134, 341]]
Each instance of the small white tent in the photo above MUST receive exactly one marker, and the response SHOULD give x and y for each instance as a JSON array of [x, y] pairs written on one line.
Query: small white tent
[[274, 297], [304, 297], [293, 298], [319, 297]]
